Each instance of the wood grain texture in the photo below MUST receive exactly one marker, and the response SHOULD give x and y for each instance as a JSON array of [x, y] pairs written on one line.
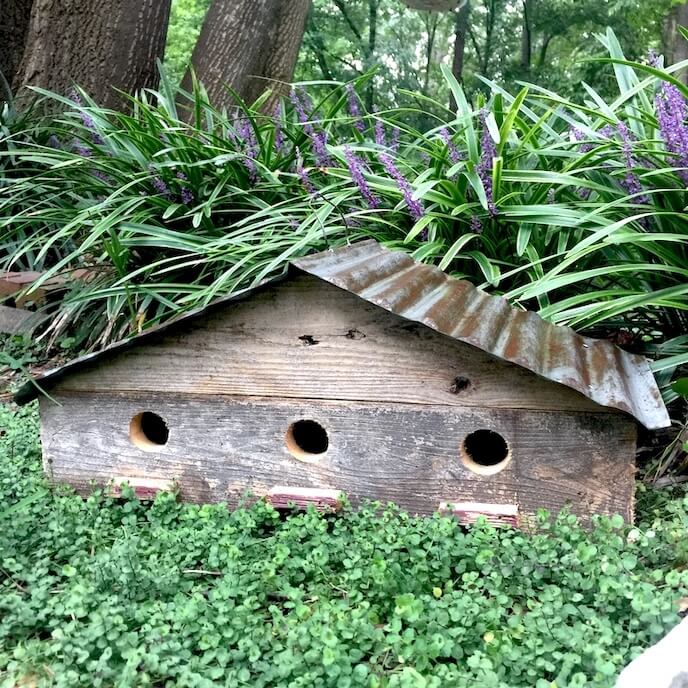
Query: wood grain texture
[[219, 448], [306, 339]]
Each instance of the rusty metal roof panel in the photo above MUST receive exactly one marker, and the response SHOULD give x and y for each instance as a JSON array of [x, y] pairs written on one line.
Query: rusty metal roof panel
[[422, 293], [394, 281]]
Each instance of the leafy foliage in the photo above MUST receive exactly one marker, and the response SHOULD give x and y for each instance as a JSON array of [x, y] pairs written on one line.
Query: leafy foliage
[[186, 20], [100, 592], [346, 38]]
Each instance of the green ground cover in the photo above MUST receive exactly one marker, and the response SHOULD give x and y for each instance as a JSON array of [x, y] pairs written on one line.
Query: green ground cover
[[99, 592]]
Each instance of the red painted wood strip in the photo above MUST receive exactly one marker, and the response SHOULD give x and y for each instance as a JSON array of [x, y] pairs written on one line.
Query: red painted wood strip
[[322, 499]]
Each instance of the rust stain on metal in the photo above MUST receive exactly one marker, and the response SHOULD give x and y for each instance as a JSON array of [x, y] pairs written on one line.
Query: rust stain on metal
[[424, 294]]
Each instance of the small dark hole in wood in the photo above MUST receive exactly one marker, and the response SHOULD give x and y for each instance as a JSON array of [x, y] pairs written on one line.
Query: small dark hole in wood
[[308, 340], [485, 451], [459, 385], [148, 430], [306, 439]]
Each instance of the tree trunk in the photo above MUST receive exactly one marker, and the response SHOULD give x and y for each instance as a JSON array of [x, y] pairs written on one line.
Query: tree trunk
[[101, 46], [370, 52], [490, 20], [546, 40], [526, 37], [431, 28], [460, 33], [13, 28], [249, 45], [316, 43], [676, 44]]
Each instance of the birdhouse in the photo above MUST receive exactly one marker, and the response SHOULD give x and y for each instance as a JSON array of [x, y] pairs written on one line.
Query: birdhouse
[[360, 372]]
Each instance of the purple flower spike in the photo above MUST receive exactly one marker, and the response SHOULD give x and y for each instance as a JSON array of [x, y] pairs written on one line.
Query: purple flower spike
[[250, 148], [159, 184], [415, 206], [476, 225], [300, 102], [394, 143], [100, 175], [454, 153], [354, 108], [484, 166], [303, 175], [631, 183], [356, 170], [318, 139], [380, 138], [578, 135], [81, 149], [186, 195], [671, 115], [280, 140]]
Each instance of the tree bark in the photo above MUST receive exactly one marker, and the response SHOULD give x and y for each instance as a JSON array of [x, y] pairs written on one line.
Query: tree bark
[[13, 28], [101, 46], [249, 45], [460, 33]]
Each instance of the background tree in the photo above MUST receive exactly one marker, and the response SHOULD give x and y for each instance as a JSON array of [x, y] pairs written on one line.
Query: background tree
[[101, 46], [675, 46], [248, 45], [461, 24]]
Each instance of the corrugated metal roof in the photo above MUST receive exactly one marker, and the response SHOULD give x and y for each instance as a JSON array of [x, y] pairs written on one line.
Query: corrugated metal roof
[[422, 293]]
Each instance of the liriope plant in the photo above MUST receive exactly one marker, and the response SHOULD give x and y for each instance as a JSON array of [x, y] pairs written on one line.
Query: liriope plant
[[573, 209]]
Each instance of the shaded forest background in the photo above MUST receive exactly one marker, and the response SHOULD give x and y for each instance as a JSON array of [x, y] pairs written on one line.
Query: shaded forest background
[[542, 41]]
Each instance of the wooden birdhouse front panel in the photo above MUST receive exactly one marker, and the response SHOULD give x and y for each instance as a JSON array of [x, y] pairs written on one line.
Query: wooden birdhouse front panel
[[217, 449], [305, 385]]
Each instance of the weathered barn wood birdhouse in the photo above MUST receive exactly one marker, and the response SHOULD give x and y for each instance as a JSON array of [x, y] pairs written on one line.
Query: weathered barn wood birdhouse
[[364, 372]]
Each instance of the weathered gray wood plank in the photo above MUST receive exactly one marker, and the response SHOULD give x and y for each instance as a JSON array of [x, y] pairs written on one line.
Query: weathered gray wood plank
[[220, 447], [309, 340], [18, 320]]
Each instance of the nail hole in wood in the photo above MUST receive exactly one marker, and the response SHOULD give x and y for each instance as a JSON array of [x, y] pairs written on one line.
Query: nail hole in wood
[[459, 385], [307, 440], [148, 431], [485, 452]]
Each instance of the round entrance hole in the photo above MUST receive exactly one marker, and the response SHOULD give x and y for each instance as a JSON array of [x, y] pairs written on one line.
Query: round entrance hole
[[485, 452], [148, 431], [306, 440]]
